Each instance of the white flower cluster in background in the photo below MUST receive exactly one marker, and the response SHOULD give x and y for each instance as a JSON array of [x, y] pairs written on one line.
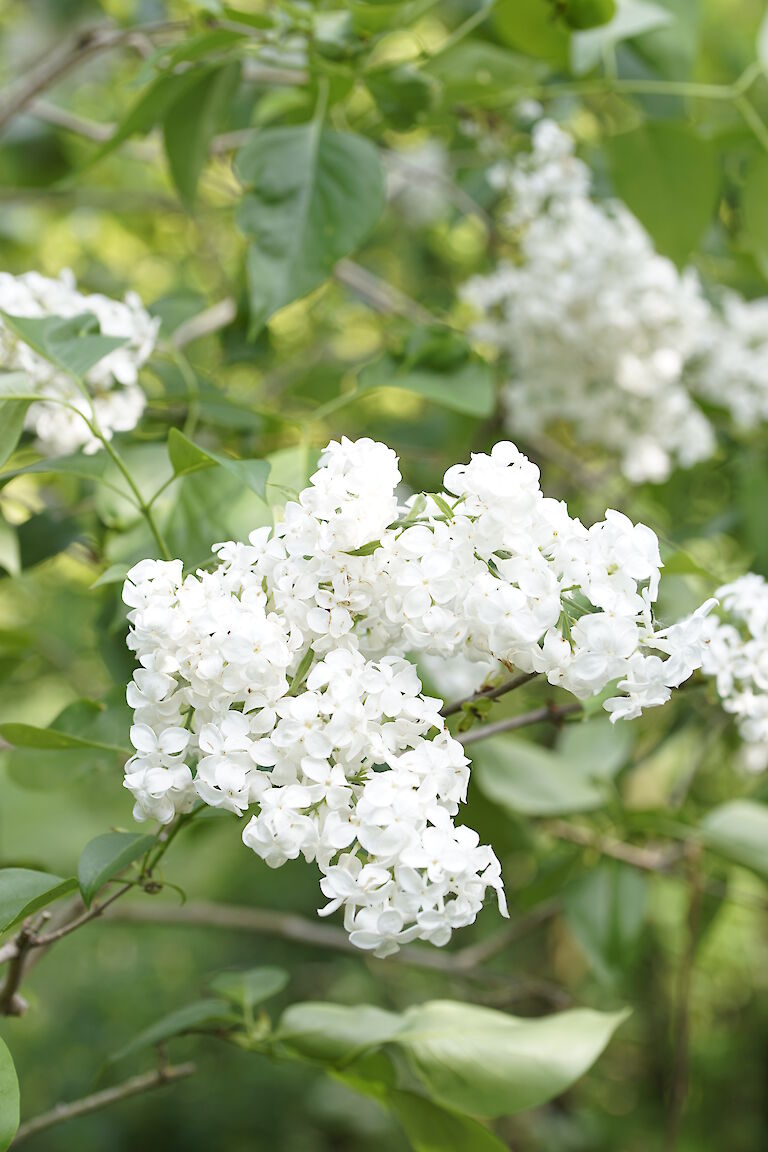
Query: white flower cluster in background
[[279, 680], [117, 399], [418, 180], [601, 332], [732, 371], [737, 659]]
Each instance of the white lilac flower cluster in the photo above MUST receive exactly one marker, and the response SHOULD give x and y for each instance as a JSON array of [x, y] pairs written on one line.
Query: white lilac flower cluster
[[737, 658], [280, 680], [604, 334], [117, 399]]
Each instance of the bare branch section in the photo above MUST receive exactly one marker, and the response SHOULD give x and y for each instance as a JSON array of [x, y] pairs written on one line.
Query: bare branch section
[[136, 1086], [490, 693], [63, 60], [548, 714], [649, 858], [213, 319], [381, 296]]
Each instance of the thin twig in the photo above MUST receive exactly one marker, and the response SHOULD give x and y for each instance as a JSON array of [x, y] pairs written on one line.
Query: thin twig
[[70, 121], [649, 858], [12, 1003], [57, 64], [213, 319], [549, 714], [383, 297], [489, 693], [137, 1085]]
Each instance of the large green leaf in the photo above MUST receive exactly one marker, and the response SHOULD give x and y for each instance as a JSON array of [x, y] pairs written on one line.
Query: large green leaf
[[755, 206], [632, 18], [104, 725], [251, 987], [312, 196], [481, 74], [431, 1128], [536, 781], [605, 910], [106, 856], [200, 1016], [73, 344], [9, 1098], [669, 177], [487, 1063], [334, 1033], [23, 891], [191, 122], [738, 830], [28, 736], [469, 388], [531, 26], [187, 457]]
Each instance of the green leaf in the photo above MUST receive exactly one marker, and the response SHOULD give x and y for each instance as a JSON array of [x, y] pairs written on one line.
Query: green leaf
[[199, 1016], [249, 988], [312, 196], [107, 855], [401, 93], [605, 911], [74, 344], [483, 75], [633, 18], [186, 458], [469, 389], [85, 467], [190, 124], [29, 736], [10, 554], [487, 1063], [583, 14], [738, 831], [530, 25], [9, 1099], [669, 177], [755, 206], [12, 413], [151, 107], [762, 41], [431, 1128], [23, 891], [334, 1033], [535, 781]]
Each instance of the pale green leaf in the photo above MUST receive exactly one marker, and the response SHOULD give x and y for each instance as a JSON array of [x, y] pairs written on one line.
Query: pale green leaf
[[24, 891], [738, 831], [9, 1099]]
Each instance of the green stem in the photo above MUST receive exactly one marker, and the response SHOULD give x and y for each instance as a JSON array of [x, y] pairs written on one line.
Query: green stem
[[141, 503]]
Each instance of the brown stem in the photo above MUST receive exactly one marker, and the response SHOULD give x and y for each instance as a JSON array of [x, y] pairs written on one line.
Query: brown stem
[[205, 323], [381, 296], [649, 859], [133, 1087], [549, 714], [12, 1003], [489, 693], [53, 67]]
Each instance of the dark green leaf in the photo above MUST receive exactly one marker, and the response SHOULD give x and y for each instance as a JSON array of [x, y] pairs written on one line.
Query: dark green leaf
[[312, 196], [431, 1128], [190, 124], [583, 14], [12, 413], [186, 458], [107, 855], [251, 987], [200, 1016], [74, 344], [9, 1099], [669, 177], [605, 910], [469, 389], [531, 26], [23, 891]]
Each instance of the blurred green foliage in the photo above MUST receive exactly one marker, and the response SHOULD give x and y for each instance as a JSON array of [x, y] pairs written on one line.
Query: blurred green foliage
[[303, 361]]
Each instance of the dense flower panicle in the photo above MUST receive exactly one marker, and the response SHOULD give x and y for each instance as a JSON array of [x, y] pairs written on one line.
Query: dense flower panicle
[[598, 327], [737, 659], [279, 681], [118, 401]]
